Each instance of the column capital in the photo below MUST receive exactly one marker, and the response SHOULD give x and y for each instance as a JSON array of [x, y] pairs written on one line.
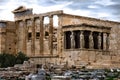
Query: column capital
[[24, 20], [104, 33], [82, 31], [41, 17], [32, 19], [99, 33], [50, 16]]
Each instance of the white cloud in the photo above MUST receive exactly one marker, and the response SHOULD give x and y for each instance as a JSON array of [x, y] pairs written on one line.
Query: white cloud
[[41, 9], [93, 6], [105, 2], [13, 4]]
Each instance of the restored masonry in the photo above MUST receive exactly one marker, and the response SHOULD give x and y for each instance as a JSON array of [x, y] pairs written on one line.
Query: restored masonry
[[77, 40]]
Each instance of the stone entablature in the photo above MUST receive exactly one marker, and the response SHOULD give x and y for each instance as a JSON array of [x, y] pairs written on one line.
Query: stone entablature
[[69, 19], [85, 26]]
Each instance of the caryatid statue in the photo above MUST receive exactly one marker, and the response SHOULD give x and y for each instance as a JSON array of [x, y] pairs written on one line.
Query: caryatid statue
[[81, 40], [91, 43], [72, 40]]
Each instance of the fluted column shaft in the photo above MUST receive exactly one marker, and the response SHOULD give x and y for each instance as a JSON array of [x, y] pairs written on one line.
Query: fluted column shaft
[[17, 37], [51, 34], [41, 43], [25, 37], [33, 38]]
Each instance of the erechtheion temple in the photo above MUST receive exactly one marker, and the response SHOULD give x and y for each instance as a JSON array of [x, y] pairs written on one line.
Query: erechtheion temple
[[76, 40]]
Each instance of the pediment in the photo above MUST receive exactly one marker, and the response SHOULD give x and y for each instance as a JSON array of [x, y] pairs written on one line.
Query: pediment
[[20, 9]]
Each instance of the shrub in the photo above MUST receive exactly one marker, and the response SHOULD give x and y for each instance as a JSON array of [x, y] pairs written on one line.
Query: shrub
[[20, 58], [9, 60]]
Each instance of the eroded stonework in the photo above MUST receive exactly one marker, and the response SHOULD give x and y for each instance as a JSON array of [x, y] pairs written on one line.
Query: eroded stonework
[[77, 40]]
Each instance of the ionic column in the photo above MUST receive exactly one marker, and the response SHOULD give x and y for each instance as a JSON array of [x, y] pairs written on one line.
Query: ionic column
[[107, 41], [99, 40], [82, 42], [41, 36], [104, 41], [33, 38], [51, 34], [17, 37], [91, 43], [25, 38], [72, 40], [64, 40], [59, 36]]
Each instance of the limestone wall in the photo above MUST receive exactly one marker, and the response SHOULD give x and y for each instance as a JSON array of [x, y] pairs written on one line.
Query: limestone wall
[[11, 38], [7, 37], [99, 57], [68, 19]]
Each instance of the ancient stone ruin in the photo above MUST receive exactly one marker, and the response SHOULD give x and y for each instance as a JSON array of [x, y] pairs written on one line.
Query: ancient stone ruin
[[76, 40]]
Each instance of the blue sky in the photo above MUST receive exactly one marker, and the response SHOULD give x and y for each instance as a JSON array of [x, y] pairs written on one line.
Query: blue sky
[[102, 9]]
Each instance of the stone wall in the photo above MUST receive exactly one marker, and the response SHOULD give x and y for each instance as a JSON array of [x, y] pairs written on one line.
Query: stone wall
[[102, 57], [8, 39], [27, 34]]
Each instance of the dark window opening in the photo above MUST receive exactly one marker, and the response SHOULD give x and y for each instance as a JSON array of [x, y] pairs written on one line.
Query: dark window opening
[[86, 39], [77, 39], [46, 33], [95, 39], [37, 35], [29, 36], [67, 40]]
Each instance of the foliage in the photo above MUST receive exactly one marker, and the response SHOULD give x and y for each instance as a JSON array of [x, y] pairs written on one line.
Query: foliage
[[9, 60], [20, 58]]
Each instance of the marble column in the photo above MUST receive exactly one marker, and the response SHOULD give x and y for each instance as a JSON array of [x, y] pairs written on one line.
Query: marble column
[[99, 40], [104, 41], [65, 40], [107, 42], [41, 36], [82, 42], [25, 37], [51, 34], [91, 43], [59, 36], [72, 40], [17, 37], [33, 37]]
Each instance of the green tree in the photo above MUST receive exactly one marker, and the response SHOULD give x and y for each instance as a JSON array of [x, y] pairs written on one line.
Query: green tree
[[20, 58], [7, 60]]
